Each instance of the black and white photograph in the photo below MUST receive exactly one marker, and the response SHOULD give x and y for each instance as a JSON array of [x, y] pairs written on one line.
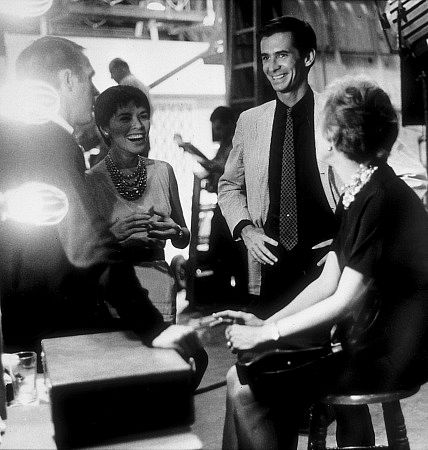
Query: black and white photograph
[[214, 224]]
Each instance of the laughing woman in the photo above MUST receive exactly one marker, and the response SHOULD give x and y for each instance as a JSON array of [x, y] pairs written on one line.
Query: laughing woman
[[137, 196]]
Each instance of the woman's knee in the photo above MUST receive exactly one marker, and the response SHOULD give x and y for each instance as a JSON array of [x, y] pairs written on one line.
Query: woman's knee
[[238, 393]]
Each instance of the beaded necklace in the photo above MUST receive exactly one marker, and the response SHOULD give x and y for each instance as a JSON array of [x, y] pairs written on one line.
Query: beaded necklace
[[359, 179], [130, 186]]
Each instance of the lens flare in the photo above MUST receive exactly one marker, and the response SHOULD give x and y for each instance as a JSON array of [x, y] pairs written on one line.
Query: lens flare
[[25, 8], [34, 203], [31, 102]]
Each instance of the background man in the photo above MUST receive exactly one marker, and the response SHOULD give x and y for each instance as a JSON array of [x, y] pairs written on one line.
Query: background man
[[121, 73], [225, 256], [55, 280]]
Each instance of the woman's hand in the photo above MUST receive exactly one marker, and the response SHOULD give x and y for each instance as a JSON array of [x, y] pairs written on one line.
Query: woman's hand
[[126, 226], [239, 317], [163, 227], [242, 337]]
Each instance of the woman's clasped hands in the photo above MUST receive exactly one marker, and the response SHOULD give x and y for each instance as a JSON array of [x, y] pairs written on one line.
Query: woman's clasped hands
[[136, 222], [155, 224], [246, 332]]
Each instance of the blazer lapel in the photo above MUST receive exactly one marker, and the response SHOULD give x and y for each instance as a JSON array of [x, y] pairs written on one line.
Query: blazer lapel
[[263, 140]]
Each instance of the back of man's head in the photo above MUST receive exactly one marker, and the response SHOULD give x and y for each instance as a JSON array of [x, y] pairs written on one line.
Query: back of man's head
[[119, 69], [118, 63], [304, 37], [47, 56], [223, 114]]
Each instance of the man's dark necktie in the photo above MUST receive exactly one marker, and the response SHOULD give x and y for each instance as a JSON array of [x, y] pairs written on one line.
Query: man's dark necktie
[[287, 200]]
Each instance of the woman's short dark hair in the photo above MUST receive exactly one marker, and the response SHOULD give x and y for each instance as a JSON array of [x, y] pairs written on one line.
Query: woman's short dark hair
[[115, 97], [359, 119], [304, 37]]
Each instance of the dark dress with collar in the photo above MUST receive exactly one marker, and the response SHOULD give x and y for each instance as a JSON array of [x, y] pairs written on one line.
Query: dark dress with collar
[[384, 236]]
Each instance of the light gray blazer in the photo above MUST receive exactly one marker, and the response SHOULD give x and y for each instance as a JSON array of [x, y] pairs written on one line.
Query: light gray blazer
[[243, 191]]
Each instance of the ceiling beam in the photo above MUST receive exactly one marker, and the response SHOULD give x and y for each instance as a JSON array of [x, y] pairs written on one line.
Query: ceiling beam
[[135, 13]]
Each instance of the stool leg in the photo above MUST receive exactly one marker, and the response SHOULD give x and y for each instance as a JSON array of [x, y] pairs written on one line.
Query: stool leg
[[318, 424], [395, 426]]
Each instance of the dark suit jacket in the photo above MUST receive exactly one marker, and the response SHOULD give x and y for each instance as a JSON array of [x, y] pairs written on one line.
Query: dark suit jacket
[[54, 280]]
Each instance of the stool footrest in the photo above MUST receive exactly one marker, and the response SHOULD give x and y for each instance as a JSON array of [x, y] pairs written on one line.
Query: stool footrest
[[394, 421]]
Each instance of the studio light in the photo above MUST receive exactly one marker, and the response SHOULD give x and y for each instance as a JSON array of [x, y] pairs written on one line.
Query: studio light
[[155, 6], [34, 203]]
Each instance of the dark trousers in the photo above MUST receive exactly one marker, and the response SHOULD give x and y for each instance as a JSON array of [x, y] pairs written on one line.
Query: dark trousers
[[228, 259], [281, 282]]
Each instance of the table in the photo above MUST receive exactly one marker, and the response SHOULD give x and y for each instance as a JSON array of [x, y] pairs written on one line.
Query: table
[[30, 427]]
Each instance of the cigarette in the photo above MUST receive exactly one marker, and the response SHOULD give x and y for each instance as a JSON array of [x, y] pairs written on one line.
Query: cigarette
[[210, 321]]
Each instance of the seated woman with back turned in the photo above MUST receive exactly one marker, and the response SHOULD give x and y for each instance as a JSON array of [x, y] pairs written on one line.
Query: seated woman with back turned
[[378, 264], [138, 196]]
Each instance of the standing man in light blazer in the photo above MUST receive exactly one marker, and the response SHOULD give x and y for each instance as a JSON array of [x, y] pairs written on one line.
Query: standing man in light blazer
[[251, 189], [257, 185]]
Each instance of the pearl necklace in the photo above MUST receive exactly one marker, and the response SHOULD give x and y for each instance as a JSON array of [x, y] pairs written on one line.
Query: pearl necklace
[[130, 186], [359, 179]]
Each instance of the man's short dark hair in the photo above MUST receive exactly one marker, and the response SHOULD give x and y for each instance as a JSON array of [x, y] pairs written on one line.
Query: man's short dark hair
[[118, 63], [223, 114], [45, 57], [304, 37]]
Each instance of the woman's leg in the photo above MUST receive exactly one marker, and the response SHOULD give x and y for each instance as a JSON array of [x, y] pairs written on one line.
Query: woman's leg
[[248, 424]]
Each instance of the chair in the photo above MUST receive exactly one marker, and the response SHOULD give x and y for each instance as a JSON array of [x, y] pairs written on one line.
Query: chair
[[394, 421]]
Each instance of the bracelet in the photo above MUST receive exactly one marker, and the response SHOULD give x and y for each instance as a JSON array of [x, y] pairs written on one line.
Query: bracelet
[[180, 232], [275, 332]]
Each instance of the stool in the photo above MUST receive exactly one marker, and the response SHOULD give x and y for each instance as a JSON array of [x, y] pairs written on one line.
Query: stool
[[394, 421]]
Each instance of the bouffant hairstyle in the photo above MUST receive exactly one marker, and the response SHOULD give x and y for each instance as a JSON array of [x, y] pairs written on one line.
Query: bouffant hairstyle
[[113, 98], [359, 119]]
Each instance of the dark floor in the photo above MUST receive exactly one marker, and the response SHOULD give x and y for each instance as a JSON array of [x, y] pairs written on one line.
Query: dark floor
[[210, 406]]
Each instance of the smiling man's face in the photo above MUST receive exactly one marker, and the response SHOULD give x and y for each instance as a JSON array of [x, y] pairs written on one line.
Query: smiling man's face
[[283, 64]]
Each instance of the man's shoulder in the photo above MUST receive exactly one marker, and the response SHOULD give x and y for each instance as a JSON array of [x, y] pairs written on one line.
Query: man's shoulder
[[260, 109], [132, 80], [52, 133], [44, 137]]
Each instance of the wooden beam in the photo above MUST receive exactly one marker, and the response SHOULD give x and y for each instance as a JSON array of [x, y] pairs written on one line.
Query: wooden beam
[[135, 12], [179, 68]]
